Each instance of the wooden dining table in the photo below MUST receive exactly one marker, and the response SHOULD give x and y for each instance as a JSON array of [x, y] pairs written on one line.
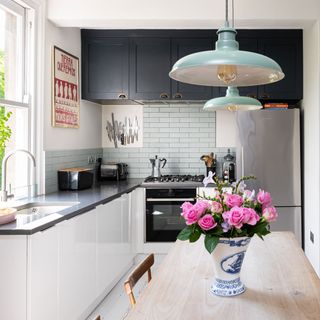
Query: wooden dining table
[[280, 284]]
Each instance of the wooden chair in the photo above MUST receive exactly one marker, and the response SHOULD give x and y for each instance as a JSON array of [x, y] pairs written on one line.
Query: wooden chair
[[136, 274]]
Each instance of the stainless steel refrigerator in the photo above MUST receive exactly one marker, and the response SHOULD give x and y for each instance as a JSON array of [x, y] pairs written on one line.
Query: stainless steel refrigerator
[[268, 147]]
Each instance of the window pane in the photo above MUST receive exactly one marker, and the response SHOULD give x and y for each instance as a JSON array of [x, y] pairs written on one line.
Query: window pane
[[11, 54], [14, 122], [17, 166]]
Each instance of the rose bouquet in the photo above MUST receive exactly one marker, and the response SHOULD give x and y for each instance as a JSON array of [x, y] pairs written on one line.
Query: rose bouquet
[[230, 212]]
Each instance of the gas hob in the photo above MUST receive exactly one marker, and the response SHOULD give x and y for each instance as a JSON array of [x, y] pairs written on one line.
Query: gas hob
[[174, 181]]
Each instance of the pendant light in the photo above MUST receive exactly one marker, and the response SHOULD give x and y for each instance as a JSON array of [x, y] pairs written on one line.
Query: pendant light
[[226, 65], [232, 102]]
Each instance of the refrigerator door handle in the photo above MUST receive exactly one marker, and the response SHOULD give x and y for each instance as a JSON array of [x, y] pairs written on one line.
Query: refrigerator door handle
[[242, 162]]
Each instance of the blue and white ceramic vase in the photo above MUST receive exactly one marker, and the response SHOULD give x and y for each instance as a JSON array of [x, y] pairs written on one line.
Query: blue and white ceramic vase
[[228, 256]]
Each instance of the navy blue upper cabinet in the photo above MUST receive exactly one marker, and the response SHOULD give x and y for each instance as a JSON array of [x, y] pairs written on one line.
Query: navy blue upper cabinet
[[105, 66], [150, 63], [287, 51], [181, 48], [134, 64]]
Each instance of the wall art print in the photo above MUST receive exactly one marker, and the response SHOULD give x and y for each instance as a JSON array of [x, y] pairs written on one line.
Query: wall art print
[[122, 126], [65, 89]]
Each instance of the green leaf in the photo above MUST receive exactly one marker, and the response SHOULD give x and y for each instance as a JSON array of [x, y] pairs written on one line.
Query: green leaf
[[195, 235], [210, 242], [185, 233]]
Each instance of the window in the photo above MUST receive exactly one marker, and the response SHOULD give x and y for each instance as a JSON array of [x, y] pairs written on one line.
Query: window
[[15, 82]]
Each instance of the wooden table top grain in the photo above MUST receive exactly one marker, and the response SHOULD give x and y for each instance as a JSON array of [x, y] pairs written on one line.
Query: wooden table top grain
[[280, 282]]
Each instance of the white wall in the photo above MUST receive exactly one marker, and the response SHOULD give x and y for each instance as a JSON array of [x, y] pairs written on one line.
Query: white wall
[[89, 133], [311, 117], [225, 129]]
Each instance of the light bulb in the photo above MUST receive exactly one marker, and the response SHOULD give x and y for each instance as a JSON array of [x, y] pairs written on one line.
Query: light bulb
[[232, 108], [227, 73], [273, 77]]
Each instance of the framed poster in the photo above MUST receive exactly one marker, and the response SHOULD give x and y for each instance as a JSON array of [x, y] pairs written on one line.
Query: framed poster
[[65, 89], [122, 126]]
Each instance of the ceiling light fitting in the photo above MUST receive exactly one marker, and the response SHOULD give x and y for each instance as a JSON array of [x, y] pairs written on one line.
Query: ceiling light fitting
[[232, 102], [226, 65]]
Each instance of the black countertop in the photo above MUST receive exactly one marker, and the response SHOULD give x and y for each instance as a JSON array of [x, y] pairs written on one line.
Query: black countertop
[[82, 201], [86, 200]]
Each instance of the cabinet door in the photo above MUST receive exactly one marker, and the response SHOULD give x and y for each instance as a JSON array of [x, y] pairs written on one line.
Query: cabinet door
[[43, 275], [105, 68], [13, 268], [287, 52], [114, 253], [150, 62], [77, 266], [182, 48]]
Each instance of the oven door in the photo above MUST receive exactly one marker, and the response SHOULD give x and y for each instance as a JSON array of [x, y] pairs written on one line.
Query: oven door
[[163, 213]]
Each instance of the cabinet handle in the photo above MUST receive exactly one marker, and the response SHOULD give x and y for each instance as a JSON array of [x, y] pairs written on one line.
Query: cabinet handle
[[265, 96], [178, 95], [252, 95], [122, 96], [164, 95]]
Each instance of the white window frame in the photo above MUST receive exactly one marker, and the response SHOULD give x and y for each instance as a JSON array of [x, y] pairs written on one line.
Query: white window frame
[[33, 97]]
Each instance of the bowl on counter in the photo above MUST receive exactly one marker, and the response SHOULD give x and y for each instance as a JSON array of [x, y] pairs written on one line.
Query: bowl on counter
[[7, 215]]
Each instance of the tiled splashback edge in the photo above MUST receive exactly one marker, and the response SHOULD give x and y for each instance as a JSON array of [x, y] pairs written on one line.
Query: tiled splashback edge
[[59, 159], [180, 133]]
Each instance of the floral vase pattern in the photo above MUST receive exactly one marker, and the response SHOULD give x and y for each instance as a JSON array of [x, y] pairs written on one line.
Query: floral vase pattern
[[228, 257]]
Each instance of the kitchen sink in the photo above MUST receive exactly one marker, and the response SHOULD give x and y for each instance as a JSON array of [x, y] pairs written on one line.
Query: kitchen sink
[[33, 211], [44, 208]]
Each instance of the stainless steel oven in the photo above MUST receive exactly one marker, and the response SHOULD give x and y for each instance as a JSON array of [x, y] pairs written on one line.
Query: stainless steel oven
[[163, 213]]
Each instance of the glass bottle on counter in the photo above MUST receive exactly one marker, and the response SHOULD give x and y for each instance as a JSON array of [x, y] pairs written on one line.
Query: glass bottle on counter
[[228, 168]]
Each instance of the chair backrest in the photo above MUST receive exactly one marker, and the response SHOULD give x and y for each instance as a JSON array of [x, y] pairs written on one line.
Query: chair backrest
[[136, 274]]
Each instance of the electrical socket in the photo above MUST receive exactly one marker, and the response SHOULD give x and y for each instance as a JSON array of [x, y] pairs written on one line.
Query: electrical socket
[[311, 236]]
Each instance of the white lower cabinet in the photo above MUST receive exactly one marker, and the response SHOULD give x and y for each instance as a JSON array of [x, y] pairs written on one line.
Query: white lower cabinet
[[77, 265], [43, 275], [13, 287], [64, 271], [114, 245]]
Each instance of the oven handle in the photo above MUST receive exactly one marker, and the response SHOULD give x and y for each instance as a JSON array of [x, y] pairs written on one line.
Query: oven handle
[[169, 199]]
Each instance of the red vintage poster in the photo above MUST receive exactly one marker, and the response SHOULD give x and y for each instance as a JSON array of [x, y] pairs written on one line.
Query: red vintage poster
[[65, 82]]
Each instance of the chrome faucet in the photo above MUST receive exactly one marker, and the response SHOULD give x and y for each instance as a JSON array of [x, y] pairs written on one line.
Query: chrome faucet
[[4, 192]]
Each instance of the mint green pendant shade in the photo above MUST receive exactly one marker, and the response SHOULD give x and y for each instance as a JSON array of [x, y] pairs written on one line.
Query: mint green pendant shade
[[232, 102], [226, 65]]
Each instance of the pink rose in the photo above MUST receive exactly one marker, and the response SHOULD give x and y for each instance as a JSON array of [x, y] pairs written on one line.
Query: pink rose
[[216, 207], [250, 216], [264, 198], [234, 200], [270, 214], [201, 206], [186, 206], [191, 216], [236, 217], [207, 222]]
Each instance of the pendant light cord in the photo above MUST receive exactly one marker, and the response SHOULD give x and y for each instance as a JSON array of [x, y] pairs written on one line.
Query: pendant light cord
[[232, 14], [227, 14]]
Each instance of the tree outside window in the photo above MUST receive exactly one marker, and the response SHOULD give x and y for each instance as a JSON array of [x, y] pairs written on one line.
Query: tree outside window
[[5, 131]]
